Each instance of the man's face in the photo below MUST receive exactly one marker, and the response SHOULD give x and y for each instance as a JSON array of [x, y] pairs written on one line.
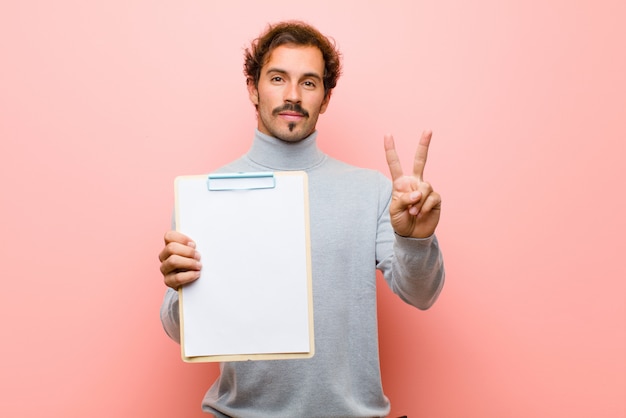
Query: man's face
[[290, 92]]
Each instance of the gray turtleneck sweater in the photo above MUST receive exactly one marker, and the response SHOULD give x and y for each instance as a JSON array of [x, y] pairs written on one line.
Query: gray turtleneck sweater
[[351, 237]]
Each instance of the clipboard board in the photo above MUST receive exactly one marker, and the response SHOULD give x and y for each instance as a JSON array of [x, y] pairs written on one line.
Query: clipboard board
[[254, 299]]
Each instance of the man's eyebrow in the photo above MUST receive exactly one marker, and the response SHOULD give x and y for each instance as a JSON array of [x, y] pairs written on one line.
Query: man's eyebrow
[[305, 75], [313, 75]]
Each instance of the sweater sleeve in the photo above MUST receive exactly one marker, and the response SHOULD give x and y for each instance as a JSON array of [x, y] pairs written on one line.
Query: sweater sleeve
[[169, 315], [413, 267], [417, 273]]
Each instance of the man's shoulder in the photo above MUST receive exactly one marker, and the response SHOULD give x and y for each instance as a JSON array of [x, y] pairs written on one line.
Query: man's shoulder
[[348, 169]]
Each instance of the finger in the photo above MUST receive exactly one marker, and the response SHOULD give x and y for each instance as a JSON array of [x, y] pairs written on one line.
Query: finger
[[431, 203], [177, 279], [407, 201], [425, 190], [421, 154], [414, 200], [392, 158], [176, 248], [179, 263], [175, 236], [177, 243]]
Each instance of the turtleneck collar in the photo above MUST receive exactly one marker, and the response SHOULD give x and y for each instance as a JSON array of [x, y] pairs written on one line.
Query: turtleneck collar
[[275, 154]]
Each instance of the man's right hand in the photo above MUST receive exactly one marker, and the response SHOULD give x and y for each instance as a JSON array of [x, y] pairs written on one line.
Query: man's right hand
[[180, 262]]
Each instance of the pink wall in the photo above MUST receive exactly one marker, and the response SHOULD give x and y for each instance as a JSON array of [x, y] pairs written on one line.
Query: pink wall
[[103, 103]]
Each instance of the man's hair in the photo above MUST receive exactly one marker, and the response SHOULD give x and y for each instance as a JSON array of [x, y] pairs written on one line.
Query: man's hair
[[294, 33]]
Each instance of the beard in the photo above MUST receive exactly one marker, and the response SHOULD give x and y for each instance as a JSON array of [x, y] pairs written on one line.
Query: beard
[[291, 107], [293, 131]]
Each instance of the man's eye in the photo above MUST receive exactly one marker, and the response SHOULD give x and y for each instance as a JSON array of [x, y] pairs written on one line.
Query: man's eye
[[309, 84], [277, 79]]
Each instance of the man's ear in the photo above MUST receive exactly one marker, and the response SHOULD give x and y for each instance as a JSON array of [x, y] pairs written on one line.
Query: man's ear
[[325, 102], [253, 93]]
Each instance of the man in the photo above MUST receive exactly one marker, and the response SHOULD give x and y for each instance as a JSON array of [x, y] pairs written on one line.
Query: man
[[360, 222]]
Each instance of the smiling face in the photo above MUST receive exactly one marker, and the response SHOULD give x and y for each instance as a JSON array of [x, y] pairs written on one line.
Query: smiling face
[[290, 93]]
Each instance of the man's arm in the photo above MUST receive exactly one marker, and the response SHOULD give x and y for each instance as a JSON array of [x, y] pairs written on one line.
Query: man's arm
[[169, 315], [412, 267], [180, 264], [415, 272]]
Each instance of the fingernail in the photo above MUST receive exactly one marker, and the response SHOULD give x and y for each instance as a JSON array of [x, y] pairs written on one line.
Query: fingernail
[[415, 195]]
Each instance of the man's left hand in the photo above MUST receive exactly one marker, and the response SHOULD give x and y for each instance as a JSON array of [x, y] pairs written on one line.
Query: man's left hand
[[415, 207]]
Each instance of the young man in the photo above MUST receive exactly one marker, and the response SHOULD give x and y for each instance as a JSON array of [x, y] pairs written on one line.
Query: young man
[[360, 222]]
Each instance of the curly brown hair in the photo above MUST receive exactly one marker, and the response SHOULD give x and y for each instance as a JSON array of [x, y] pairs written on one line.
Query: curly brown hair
[[297, 33]]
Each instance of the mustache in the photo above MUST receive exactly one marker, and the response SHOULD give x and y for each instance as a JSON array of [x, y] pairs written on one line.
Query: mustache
[[291, 107]]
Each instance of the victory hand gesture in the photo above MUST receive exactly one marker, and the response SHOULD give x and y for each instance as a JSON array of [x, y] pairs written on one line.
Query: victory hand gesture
[[415, 207]]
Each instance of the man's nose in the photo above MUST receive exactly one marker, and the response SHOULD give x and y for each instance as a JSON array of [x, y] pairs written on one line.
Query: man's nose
[[293, 93]]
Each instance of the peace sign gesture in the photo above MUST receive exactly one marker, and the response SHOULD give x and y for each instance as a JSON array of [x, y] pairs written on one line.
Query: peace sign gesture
[[415, 207]]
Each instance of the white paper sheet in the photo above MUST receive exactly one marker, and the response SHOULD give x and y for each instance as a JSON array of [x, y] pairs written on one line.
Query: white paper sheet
[[253, 293]]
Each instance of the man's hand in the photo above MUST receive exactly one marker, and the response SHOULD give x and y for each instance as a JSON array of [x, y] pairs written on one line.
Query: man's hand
[[415, 206], [180, 262]]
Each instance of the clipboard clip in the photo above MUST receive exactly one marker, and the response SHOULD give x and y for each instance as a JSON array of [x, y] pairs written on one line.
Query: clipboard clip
[[241, 181]]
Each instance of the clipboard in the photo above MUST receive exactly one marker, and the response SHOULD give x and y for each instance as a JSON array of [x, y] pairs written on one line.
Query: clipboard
[[254, 299]]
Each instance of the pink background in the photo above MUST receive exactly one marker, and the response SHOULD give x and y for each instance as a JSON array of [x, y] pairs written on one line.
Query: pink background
[[103, 103]]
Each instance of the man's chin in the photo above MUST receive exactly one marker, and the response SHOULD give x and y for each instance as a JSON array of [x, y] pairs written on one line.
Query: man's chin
[[291, 136]]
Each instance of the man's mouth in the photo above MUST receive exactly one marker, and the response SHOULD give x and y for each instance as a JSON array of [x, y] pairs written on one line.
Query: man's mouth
[[291, 116], [291, 112]]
